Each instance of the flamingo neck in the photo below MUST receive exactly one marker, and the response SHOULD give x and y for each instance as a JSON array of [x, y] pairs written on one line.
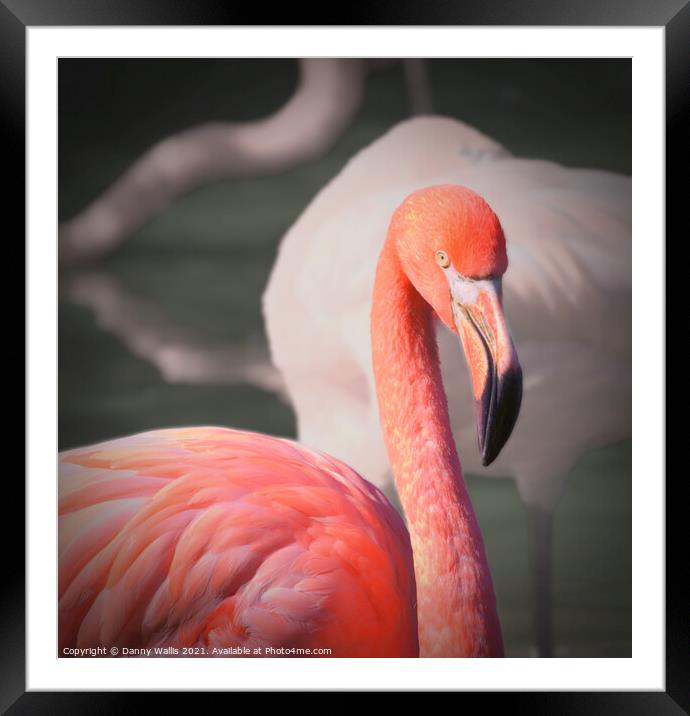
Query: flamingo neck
[[456, 606]]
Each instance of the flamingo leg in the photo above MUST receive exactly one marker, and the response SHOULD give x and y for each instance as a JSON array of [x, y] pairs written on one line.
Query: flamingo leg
[[540, 546], [418, 86]]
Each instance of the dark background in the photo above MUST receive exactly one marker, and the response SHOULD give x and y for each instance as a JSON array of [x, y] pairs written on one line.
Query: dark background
[[204, 264]]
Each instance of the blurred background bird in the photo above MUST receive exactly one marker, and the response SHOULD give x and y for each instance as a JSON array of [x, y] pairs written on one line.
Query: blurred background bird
[[154, 346]]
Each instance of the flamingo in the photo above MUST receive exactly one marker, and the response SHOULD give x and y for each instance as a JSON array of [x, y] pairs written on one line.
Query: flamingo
[[215, 539], [567, 294]]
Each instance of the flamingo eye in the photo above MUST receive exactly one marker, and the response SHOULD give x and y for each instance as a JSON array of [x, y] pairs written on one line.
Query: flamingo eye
[[442, 259]]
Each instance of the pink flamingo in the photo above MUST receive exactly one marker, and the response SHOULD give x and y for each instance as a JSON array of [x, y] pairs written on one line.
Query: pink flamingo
[[214, 538]]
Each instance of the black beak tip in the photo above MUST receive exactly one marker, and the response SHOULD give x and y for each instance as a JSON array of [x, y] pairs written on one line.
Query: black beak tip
[[488, 456], [499, 414]]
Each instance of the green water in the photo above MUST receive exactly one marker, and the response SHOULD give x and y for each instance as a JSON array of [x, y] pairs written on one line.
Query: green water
[[203, 265]]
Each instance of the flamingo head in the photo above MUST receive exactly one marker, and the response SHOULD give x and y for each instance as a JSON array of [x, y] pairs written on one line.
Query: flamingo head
[[452, 248]]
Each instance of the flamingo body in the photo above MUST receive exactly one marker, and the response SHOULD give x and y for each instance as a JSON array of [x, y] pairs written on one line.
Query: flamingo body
[[217, 538]]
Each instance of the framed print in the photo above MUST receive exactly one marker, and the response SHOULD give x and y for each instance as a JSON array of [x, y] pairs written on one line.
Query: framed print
[[249, 431]]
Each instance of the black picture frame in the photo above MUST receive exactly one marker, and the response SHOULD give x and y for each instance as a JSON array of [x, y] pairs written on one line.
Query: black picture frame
[[17, 15]]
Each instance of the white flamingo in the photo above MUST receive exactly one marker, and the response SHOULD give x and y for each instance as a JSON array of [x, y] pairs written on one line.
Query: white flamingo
[[568, 295]]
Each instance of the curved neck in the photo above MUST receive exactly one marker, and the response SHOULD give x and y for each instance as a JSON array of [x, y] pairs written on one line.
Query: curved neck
[[456, 605]]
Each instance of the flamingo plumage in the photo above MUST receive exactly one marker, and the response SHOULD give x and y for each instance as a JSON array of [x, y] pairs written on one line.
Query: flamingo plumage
[[219, 538], [567, 294], [215, 538]]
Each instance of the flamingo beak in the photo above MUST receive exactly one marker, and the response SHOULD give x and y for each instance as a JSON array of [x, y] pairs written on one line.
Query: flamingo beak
[[491, 359]]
